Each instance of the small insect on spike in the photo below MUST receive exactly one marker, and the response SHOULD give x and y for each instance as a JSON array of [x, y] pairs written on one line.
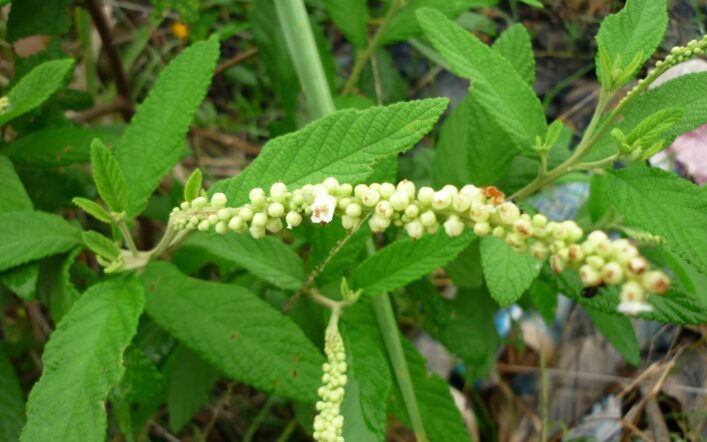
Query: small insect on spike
[[590, 292], [494, 195]]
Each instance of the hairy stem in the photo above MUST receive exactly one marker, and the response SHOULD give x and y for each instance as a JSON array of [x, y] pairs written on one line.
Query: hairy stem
[[127, 237], [305, 56]]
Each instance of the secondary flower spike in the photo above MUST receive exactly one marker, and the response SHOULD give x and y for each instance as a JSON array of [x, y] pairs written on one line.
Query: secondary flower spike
[[598, 259]]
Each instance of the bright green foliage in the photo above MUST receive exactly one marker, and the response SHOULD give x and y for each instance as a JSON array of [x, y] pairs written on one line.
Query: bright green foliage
[[535, 3], [193, 186], [35, 87], [55, 283], [633, 33], [344, 144], [515, 46], [497, 85], [190, 383], [22, 280], [37, 17], [13, 195], [100, 245], [82, 362], [268, 258], [665, 205], [619, 332], [109, 177], [26, 236], [507, 273], [12, 404], [188, 10], [407, 260], [154, 141], [351, 17], [325, 239], [405, 25], [235, 331], [58, 146], [544, 298], [141, 381], [93, 208]]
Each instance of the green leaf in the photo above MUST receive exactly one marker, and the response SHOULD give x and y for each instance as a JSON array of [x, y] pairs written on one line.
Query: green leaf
[[508, 273], [406, 260], [82, 362], [343, 144], [109, 177], [325, 239], [267, 258], [153, 143], [544, 297], [665, 205], [26, 236], [35, 87], [619, 332], [235, 331], [100, 245], [22, 280], [516, 47], [193, 186], [58, 146], [13, 195], [94, 209], [55, 287], [535, 3], [12, 404], [351, 16], [37, 17], [495, 82], [188, 10], [637, 29], [190, 383], [141, 380]]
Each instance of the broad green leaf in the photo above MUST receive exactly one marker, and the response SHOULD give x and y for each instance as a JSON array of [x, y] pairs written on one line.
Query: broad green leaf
[[508, 273], [535, 3], [100, 245], [351, 16], [109, 177], [666, 205], [188, 10], [55, 287], [637, 29], [22, 280], [153, 143], [13, 195], [404, 24], [235, 331], [325, 239], [35, 87], [27, 236], [343, 144], [58, 146], [82, 362], [619, 332], [406, 260], [141, 380], [190, 382], [466, 270], [516, 47], [495, 82], [37, 17], [267, 258], [12, 404], [92, 208], [544, 297], [193, 186]]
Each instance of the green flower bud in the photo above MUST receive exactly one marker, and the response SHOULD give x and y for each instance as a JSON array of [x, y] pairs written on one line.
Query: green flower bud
[[331, 184], [274, 225], [407, 187], [293, 219], [257, 197], [474, 194], [539, 220], [508, 213], [453, 226], [218, 200], [638, 265], [589, 275], [595, 261], [633, 299], [360, 190], [441, 200], [479, 212], [276, 210], [428, 218], [482, 228], [353, 210], [204, 225], [278, 192], [345, 189], [221, 227], [386, 190], [425, 195], [237, 224], [656, 281], [412, 211], [350, 222], [259, 219], [370, 198], [557, 264], [461, 203], [257, 232], [499, 232], [378, 223], [199, 202], [415, 229], [539, 250], [523, 227], [384, 209], [399, 200], [246, 213], [612, 273]]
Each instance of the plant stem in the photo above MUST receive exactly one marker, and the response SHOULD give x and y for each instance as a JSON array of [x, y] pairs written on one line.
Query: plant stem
[[364, 56], [305, 56], [127, 237], [83, 28], [259, 418]]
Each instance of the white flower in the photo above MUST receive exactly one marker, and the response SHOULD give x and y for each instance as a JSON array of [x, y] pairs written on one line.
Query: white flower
[[634, 307], [323, 208]]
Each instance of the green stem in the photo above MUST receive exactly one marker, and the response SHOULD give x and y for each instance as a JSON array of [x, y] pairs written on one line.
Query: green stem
[[259, 418], [364, 56], [127, 237], [305, 56]]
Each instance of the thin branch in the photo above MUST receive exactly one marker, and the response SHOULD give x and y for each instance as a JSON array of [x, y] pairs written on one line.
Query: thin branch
[[241, 56]]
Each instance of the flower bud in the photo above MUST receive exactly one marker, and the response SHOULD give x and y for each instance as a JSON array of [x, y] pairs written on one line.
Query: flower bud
[[522, 227], [293, 219], [204, 226], [278, 192], [589, 275], [274, 225], [415, 229], [384, 209], [461, 203], [517, 241], [612, 273], [508, 213], [246, 213], [441, 200], [557, 264], [407, 187], [276, 210], [353, 210], [425, 195], [218, 200], [259, 219], [221, 227], [428, 218], [386, 190], [257, 232], [633, 299], [539, 220], [539, 250], [345, 189], [656, 281], [184, 205], [199, 202], [499, 232], [479, 212], [474, 194], [482, 228], [224, 214], [399, 200], [370, 198], [378, 223], [331, 184], [597, 237], [412, 211], [575, 253], [350, 222], [360, 190], [637, 265], [453, 226], [595, 261], [257, 197]]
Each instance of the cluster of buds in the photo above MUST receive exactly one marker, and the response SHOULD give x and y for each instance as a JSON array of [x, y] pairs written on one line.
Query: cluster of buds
[[329, 423], [4, 104], [599, 260]]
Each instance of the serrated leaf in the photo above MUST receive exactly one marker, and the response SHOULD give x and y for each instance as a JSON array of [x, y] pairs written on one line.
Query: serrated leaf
[[343, 144], [508, 273], [665, 205], [515, 45], [267, 258], [637, 29], [351, 16], [82, 362], [141, 379], [94, 209], [35, 87], [58, 146], [13, 195], [497, 85], [100, 245], [235, 331], [109, 177], [619, 332], [12, 404], [37, 17], [190, 382], [153, 143], [406, 260], [193, 186], [26, 236], [653, 126], [325, 239]]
